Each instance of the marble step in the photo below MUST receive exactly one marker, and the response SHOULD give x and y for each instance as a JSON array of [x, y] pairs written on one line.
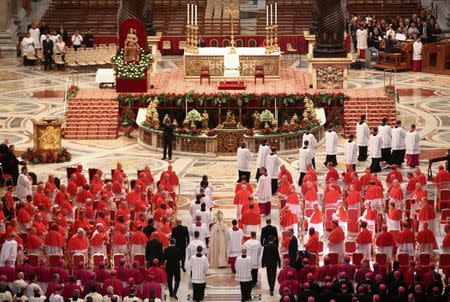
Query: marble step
[[225, 297]]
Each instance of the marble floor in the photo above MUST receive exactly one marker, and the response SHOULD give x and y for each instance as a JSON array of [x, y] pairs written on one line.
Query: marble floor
[[28, 93]]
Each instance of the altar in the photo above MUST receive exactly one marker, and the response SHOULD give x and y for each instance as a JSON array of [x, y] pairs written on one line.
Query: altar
[[223, 64]]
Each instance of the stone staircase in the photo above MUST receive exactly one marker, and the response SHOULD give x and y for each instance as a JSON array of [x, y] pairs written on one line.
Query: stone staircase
[[92, 119]]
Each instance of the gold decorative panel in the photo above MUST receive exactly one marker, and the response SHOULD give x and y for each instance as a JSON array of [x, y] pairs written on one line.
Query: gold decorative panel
[[193, 64]]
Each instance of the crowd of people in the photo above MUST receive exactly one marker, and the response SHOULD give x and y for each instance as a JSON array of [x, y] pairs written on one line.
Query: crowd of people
[[51, 41], [382, 33], [117, 239]]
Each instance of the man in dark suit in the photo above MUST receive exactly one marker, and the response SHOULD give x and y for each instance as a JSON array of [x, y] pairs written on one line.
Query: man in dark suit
[[153, 250], [267, 231], [167, 138], [271, 260], [172, 256], [149, 228], [47, 50], [293, 247], [181, 234]]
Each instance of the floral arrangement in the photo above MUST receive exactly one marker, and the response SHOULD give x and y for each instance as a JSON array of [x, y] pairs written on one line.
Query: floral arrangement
[[185, 131], [194, 116], [250, 132], [210, 133], [131, 70], [309, 115], [267, 116], [239, 99], [45, 157]]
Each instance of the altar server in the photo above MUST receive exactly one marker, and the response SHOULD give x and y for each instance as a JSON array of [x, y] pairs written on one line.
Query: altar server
[[263, 151], [244, 157], [362, 138], [273, 164], [305, 157], [199, 268], [386, 139], [234, 243], [331, 141], [244, 275], [412, 141], [351, 151], [254, 251], [398, 144], [264, 192], [375, 151], [312, 141]]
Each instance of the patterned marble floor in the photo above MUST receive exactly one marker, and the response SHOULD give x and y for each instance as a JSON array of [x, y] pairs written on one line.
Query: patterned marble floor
[[28, 93]]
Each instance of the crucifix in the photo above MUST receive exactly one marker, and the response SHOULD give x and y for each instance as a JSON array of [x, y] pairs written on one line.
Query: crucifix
[[233, 11]]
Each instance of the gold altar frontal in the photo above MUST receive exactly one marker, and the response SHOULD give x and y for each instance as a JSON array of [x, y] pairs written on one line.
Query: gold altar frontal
[[248, 59], [47, 135]]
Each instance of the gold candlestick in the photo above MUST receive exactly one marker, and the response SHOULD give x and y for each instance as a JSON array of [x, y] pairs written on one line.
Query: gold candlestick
[[276, 47], [188, 38], [195, 40], [233, 11], [267, 39], [271, 39]]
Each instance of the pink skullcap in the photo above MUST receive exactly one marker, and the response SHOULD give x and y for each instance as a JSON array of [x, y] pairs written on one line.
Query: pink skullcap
[[382, 286], [155, 261], [401, 290], [328, 284], [306, 285]]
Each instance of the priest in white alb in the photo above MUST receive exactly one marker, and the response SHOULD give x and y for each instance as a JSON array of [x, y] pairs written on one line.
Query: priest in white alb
[[331, 141], [375, 151], [362, 138], [305, 156], [351, 152], [234, 244], [412, 141], [386, 140], [398, 145], [312, 143], [273, 164], [263, 151], [244, 158], [264, 192]]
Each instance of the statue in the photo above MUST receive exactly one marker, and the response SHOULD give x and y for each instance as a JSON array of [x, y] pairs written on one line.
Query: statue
[[256, 120], [230, 121], [137, 9], [330, 30], [205, 120], [132, 50]]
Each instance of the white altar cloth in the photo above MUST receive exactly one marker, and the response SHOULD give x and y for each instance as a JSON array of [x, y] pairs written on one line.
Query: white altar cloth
[[246, 51]]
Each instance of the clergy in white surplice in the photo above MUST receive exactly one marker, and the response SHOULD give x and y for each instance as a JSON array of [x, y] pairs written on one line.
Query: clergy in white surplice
[[9, 250], [412, 141], [398, 145], [312, 143], [264, 192], [244, 158], [254, 251], [351, 152], [263, 151], [362, 138], [273, 164], [375, 151], [305, 156], [331, 141], [234, 244], [386, 140]]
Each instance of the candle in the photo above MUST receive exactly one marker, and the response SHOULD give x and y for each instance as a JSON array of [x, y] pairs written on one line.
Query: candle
[[188, 14], [196, 15], [276, 13], [192, 14], [267, 15], [271, 14]]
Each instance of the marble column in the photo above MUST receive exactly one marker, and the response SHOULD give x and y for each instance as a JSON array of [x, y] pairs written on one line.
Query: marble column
[[8, 30]]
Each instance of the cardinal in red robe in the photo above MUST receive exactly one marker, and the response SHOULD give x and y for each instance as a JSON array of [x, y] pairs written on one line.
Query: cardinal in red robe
[[365, 179], [119, 172], [394, 174], [446, 240], [332, 173], [80, 179], [442, 176], [250, 219], [406, 240], [310, 195], [331, 196], [364, 241], [336, 240], [385, 242], [285, 172], [311, 172], [426, 240], [54, 241], [353, 199], [316, 219]]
